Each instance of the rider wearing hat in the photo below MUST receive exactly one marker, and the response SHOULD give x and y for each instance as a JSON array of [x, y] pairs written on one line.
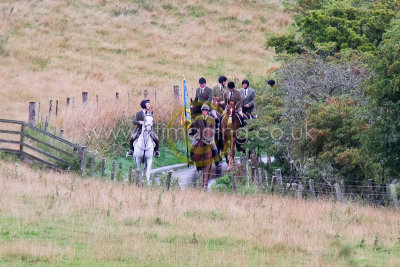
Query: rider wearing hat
[[248, 96], [204, 95], [209, 123], [218, 92], [233, 95], [139, 121]]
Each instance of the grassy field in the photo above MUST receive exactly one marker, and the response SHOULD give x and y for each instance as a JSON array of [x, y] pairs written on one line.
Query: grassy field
[[58, 219], [56, 49]]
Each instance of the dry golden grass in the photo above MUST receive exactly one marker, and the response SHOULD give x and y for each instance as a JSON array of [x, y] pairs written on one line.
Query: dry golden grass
[[52, 218], [57, 49]]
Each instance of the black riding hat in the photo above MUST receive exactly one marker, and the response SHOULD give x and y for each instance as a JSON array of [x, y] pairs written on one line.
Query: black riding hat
[[271, 82], [202, 80], [231, 85], [246, 81], [144, 102], [222, 79]]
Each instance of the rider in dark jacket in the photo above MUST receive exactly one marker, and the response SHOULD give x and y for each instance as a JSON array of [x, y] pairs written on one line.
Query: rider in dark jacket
[[139, 121]]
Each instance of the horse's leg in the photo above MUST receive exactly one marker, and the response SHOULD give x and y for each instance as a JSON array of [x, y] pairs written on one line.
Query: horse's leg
[[149, 161], [232, 153], [226, 145], [206, 170], [138, 169]]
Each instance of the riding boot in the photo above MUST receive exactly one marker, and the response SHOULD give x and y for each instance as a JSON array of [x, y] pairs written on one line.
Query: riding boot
[[157, 144], [242, 120], [131, 144]]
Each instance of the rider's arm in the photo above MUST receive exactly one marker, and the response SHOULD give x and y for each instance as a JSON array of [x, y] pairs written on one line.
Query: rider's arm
[[197, 95], [210, 96], [138, 120], [251, 103]]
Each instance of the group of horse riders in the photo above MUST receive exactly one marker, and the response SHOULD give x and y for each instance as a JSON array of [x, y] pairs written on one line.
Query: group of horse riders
[[211, 101], [214, 101]]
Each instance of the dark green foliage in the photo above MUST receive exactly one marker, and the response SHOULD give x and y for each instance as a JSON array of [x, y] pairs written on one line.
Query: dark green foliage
[[337, 132], [285, 44], [384, 138], [331, 26]]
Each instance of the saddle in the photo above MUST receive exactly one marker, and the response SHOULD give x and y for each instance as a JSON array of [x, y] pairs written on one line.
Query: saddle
[[242, 120]]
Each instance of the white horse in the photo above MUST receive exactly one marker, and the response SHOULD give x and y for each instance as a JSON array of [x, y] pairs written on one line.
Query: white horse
[[144, 147]]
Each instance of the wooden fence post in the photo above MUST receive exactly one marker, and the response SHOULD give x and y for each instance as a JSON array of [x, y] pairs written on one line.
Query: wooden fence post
[[21, 145], [266, 179], [168, 182], [41, 122], [113, 171], [93, 165], [244, 162], [56, 108], [299, 191], [138, 177], [130, 174], [339, 195], [117, 97], [103, 166], [68, 102], [32, 113], [233, 183], [62, 133], [38, 114], [253, 174], [278, 176], [273, 182], [259, 176], [46, 124], [393, 195], [371, 190], [176, 91], [312, 190], [50, 109], [119, 176], [83, 160], [85, 97]]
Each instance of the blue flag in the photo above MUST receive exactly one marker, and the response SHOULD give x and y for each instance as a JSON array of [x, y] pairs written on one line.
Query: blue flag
[[186, 104]]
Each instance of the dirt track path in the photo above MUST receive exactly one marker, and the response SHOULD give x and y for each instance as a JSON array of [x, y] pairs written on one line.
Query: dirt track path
[[187, 176]]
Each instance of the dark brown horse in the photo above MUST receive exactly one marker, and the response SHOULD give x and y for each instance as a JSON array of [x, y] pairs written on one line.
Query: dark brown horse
[[229, 128], [195, 110], [202, 153]]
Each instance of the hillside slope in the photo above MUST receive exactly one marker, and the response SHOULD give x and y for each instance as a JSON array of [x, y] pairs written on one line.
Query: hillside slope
[[56, 49]]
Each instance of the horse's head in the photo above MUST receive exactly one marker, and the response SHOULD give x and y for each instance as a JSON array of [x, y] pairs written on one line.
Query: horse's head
[[148, 122], [195, 108], [215, 101], [230, 108]]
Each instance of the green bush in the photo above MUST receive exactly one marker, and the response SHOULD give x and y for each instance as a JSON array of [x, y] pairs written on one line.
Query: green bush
[[329, 26]]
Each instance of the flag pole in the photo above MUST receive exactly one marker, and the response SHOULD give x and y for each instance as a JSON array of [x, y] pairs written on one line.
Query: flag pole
[[184, 112]]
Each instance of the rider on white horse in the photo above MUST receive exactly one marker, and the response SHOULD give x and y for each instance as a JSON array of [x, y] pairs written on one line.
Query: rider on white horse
[[139, 121]]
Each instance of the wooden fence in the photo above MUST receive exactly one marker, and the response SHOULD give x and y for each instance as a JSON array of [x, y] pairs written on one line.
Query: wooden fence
[[32, 143]]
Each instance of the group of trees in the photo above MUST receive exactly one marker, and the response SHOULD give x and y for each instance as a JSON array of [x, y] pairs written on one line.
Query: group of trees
[[338, 96]]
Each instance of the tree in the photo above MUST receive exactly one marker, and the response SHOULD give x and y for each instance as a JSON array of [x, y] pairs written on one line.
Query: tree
[[329, 27], [309, 83], [384, 91]]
